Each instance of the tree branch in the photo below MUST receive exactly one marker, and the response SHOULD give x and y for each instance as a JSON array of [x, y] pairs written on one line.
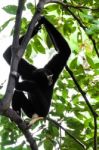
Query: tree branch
[[22, 126], [4, 104], [66, 5], [18, 23]]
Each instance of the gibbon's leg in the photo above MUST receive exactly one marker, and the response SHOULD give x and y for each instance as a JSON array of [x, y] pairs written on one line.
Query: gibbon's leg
[[33, 88], [57, 63], [37, 105], [18, 96], [19, 101]]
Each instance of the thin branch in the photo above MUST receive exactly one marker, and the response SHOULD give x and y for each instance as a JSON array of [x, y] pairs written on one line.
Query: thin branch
[[95, 133], [65, 5], [77, 19], [65, 130], [22, 126], [94, 44]]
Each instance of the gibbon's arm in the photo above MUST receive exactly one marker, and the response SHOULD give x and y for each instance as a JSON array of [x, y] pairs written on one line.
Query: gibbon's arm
[[33, 89], [58, 40], [57, 63]]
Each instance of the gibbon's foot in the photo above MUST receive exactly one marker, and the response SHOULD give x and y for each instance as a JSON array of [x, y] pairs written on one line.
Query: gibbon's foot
[[35, 118]]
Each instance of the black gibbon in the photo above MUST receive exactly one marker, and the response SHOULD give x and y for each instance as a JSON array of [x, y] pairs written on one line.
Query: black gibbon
[[39, 83]]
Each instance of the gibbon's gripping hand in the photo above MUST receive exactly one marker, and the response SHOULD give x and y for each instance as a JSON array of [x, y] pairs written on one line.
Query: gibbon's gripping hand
[[35, 31]]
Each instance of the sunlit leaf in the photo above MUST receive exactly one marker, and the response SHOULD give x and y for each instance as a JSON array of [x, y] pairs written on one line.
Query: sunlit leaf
[[10, 9]]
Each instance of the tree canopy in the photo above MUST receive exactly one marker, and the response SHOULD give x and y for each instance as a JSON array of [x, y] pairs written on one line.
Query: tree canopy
[[73, 120]]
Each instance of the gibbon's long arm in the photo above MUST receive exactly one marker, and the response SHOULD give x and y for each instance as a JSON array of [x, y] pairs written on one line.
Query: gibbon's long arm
[[57, 63], [58, 40]]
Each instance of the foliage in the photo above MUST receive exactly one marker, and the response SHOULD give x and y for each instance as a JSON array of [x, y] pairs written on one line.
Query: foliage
[[68, 106]]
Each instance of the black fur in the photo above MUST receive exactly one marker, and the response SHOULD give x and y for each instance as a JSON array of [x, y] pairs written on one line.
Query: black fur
[[35, 81]]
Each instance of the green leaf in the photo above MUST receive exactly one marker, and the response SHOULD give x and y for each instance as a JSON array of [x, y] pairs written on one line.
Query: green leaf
[[53, 130], [73, 63], [28, 51], [10, 9], [37, 46], [5, 24], [48, 41], [24, 25], [74, 123], [31, 7], [48, 145], [90, 61], [59, 108], [52, 7]]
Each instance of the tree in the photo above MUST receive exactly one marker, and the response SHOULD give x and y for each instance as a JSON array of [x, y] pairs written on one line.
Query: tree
[[75, 105]]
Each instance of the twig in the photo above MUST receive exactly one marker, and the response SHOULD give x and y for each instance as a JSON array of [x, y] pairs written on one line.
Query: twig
[[66, 5], [77, 19], [94, 44], [95, 133], [75, 139]]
